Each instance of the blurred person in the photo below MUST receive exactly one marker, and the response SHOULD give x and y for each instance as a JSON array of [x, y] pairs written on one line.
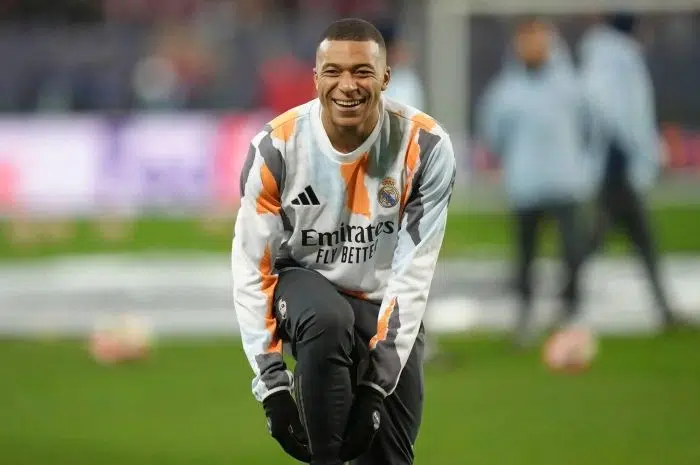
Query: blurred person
[[532, 118], [406, 84], [343, 212], [177, 72], [628, 146]]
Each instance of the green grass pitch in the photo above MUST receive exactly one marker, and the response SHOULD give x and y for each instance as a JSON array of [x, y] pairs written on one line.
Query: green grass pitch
[[191, 404], [677, 229]]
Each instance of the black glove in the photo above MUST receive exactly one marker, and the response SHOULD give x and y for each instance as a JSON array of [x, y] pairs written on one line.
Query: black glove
[[363, 422], [284, 425]]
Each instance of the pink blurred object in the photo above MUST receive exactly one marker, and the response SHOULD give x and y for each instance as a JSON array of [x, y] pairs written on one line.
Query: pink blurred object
[[105, 349], [570, 350], [121, 339], [8, 185]]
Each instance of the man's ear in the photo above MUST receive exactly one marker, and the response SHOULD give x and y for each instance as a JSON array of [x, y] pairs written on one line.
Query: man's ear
[[315, 78], [387, 78]]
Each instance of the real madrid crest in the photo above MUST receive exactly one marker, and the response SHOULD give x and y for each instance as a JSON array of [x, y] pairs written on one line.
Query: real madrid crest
[[282, 308], [388, 195]]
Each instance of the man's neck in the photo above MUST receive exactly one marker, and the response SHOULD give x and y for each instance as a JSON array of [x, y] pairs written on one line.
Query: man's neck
[[348, 139], [534, 67]]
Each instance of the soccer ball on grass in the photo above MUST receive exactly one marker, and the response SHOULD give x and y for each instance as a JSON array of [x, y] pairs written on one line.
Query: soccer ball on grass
[[120, 338], [570, 350]]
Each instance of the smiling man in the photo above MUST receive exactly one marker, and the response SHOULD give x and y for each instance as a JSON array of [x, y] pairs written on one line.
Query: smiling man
[[344, 205]]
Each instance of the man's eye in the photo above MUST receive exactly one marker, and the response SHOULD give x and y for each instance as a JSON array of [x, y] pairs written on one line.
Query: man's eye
[[331, 72], [363, 72]]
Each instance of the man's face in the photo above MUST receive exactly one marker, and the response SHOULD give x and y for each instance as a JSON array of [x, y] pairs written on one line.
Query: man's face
[[532, 43], [350, 77]]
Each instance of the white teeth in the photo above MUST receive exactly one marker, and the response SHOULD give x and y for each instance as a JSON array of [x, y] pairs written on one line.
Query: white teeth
[[348, 103]]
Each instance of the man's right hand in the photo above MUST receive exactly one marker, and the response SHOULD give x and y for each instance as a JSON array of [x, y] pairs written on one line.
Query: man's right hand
[[284, 425], [364, 420]]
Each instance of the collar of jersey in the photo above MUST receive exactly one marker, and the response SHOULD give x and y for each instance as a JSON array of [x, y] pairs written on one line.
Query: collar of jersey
[[325, 143]]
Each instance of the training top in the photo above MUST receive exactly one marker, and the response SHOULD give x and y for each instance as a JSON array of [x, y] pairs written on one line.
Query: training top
[[370, 221]]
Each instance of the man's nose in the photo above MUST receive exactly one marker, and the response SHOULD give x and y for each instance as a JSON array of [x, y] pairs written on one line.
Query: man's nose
[[347, 82]]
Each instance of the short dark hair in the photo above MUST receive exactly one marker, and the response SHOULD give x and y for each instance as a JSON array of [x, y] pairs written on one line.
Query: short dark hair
[[623, 22], [353, 29]]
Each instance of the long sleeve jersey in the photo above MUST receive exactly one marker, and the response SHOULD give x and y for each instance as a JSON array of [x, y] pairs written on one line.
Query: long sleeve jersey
[[370, 221]]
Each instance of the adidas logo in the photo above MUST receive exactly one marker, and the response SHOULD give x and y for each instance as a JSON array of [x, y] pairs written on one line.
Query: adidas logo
[[308, 197]]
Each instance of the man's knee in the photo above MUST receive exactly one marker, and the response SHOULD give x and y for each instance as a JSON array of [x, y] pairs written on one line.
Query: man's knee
[[332, 319], [310, 306], [327, 324]]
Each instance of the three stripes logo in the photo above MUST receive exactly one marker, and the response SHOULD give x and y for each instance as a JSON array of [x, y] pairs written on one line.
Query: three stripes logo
[[308, 197]]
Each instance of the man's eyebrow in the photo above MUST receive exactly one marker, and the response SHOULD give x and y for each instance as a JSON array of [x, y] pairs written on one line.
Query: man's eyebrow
[[354, 67]]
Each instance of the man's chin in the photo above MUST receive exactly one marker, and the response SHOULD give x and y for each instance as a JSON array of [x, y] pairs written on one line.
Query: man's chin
[[347, 121]]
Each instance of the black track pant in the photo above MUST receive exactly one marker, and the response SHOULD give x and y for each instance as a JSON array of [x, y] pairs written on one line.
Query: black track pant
[[329, 334], [619, 205], [528, 222]]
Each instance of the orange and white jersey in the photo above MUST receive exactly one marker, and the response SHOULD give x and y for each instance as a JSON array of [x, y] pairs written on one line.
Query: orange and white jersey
[[371, 221]]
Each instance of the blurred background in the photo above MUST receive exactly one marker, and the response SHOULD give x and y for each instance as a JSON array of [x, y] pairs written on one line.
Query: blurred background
[[123, 128]]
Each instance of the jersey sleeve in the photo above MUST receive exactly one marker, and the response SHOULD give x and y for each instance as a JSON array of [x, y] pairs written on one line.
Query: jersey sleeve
[[419, 241], [257, 237]]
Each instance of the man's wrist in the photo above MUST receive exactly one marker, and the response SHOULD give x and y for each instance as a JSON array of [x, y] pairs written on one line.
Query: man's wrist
[[276, 392], [280, 386]]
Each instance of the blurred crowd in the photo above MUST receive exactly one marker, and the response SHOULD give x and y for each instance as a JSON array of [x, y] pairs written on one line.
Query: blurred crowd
[[68, 55], [116, 55]]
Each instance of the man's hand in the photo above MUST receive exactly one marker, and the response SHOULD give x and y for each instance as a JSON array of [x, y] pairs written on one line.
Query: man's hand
[[363, 422], [284, 425]]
